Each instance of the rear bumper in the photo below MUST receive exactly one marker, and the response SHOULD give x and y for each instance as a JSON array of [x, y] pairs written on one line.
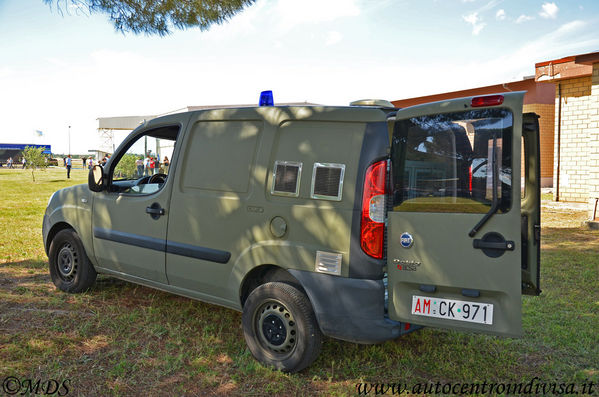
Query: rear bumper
[[350, 309]]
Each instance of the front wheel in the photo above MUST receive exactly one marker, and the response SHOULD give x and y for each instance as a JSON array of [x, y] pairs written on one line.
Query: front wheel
[[70, 268], [280, 327]]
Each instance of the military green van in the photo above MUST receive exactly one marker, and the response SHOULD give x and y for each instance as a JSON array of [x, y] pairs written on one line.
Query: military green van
[[360, 223]]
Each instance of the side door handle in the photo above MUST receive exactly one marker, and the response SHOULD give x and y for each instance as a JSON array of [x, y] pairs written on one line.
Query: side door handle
[[155, 211]]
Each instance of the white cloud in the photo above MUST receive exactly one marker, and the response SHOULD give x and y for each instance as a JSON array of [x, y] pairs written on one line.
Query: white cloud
[[477, 28], [570, 27], [524, 18], [283, 16], [242, 23], [471, 18], [475, 19], [333, 38], [56, 62], [290, 14], [572, 38], [5, 72], [568, 39], [476, 22], [500, 15], [490, 5], [549, 10]]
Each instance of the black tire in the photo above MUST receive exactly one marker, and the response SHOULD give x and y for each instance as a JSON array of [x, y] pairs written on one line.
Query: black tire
[[70, 268], [280, 327]]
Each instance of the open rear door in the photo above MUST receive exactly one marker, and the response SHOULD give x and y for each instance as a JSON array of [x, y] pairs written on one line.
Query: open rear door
[[455, 229], [531, 206]]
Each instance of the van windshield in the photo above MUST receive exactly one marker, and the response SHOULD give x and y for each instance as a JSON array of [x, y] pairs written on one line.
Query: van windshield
[[442, 162]]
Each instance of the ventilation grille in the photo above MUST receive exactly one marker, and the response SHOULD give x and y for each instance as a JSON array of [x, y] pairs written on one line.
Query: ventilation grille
[[285, 179], [327, 181], [328, 262]]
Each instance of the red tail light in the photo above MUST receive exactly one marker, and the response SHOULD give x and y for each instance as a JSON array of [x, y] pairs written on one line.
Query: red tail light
[[470, 179], [489, 100], [372, 228]]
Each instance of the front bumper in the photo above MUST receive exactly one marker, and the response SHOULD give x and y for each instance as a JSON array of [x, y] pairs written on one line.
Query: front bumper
[[45, 231], [350, 309]]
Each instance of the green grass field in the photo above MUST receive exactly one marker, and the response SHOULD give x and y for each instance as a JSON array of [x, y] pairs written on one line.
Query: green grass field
[[123, 339]]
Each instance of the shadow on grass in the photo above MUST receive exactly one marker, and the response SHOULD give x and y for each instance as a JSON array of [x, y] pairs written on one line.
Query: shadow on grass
[[123, 337], [27, 271], [568, 238], [22, 272]]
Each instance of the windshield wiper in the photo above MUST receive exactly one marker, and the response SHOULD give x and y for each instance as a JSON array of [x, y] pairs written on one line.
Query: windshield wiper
[[495, 203]]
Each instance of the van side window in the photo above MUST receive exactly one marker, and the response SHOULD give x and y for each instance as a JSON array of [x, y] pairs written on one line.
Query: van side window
[[442, 163], [219, 155], [144, 167]]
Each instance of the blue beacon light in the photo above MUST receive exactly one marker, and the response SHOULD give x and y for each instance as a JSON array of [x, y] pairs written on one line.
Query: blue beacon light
[[266, 98]]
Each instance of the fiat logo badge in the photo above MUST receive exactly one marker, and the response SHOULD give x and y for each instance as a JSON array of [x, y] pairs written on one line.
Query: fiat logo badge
[[406, 240]]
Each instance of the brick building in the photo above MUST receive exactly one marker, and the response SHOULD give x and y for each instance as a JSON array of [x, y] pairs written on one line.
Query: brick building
[[539, 98], [576, 165]]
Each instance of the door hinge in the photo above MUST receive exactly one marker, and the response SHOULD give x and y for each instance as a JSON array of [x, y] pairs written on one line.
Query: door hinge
[[537, 233]]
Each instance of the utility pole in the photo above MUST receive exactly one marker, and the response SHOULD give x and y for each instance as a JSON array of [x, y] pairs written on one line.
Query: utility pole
[[69, 140]]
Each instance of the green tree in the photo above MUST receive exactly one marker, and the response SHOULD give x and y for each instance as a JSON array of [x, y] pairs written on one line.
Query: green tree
[[158, 16], [126, 168], [34, 159]]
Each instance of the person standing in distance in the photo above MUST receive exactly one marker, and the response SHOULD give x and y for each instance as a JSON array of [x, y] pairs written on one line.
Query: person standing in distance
[[140, 166], [69, 162]]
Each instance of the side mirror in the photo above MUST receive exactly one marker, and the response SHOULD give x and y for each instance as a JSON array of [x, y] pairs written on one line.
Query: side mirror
[[95, 180]]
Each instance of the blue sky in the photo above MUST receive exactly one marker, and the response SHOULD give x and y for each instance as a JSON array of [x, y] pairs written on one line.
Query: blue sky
[[67, 69]]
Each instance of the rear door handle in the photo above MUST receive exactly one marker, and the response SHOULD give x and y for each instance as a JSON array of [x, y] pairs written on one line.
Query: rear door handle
[[503, 245], [493, 244]]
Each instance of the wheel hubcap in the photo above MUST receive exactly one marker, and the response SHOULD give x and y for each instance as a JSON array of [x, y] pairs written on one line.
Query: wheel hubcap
[[276, 327], [274, 330], [67, 262]]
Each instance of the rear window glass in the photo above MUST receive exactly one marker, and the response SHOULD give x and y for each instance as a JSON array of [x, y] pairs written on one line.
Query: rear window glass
[[442, 163]]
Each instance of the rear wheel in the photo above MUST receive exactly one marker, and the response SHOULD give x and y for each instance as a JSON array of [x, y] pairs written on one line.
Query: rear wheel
[[280, 327], [70, 268]]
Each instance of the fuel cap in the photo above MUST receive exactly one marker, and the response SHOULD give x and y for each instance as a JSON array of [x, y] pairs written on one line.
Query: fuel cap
[[278, 226]]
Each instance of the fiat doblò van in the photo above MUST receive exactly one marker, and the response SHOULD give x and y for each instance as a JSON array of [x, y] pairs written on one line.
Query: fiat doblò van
[[361, 223]]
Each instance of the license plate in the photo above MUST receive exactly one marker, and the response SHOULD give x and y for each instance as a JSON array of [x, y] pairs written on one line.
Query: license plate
[[450, 309]]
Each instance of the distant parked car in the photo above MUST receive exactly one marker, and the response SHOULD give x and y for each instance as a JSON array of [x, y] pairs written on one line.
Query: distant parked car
[[52, 161]]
